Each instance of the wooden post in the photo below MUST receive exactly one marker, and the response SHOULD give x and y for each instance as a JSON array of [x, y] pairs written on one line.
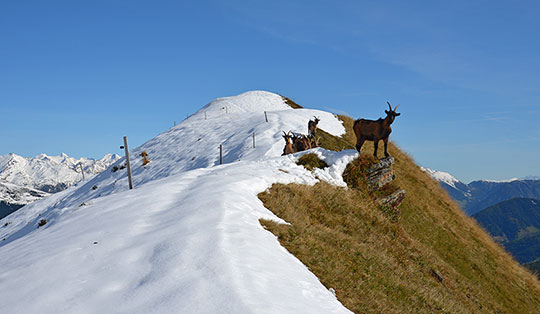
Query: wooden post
[[127, 161], [220, 154], [265, 116], [82, 171], [253, 139]]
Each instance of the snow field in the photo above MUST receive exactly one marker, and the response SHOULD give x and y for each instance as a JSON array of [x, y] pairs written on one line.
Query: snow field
[[187, 239]]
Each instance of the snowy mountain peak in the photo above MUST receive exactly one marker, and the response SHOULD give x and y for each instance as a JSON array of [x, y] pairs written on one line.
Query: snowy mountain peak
[[252, 101], [49, 173], [441, 176]]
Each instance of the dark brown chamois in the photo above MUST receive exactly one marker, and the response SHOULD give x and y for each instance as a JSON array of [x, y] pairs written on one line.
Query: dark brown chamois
[[369, 130], [289, 148], [312, 126], [301, 143]]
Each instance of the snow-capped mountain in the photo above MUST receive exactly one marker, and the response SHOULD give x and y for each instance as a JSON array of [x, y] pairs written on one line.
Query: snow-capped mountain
[[187, 238], [24, 180], [441, 176], [480, 194], [50, 173], [13, 197]]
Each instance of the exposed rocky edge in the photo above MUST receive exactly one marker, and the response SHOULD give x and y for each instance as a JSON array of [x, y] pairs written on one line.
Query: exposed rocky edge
[[393, 200], [378, 179], [380, 174]]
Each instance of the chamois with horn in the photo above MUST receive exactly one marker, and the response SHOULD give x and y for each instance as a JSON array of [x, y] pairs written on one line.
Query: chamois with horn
[[301, 142], [312, 126], [369, 130], [289, 148]]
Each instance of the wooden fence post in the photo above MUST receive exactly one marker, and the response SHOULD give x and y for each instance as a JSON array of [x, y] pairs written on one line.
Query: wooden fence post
[[253, 139], [265, 116], [220, 154], [127, 161]]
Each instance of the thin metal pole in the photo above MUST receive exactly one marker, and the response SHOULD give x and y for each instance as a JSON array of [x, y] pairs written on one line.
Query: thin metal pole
[[220, 154], [127, 161], [265, 116], [253, 139], [82, 171]]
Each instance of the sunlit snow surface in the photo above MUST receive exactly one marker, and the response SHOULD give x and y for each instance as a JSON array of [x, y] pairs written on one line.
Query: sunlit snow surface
[[187, 239]]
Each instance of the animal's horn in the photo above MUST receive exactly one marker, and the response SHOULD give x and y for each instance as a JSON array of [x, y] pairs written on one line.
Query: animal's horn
[[396, 107], [389, 105]]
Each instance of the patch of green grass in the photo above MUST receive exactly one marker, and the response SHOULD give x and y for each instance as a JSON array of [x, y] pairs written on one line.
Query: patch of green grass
[[311, 161]]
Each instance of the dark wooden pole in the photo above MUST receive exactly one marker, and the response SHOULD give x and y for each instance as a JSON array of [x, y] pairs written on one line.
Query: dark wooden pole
[[220, 154], [265, 116], [253, 139], [127, 161]]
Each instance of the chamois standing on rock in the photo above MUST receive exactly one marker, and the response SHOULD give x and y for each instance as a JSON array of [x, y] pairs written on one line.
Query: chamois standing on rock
[[375, 130]]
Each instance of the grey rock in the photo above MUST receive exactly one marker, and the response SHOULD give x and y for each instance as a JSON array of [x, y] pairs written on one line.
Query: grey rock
[[380, 174], [393, 200]]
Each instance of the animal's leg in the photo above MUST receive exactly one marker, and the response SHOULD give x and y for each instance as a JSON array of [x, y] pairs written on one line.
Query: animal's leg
[[359, 143], [386, 147], [376, 146]]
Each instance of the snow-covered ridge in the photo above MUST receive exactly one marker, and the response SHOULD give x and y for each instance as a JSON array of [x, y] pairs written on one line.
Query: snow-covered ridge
[[187, 239], [501, 181], [253, 101], [441, 176]]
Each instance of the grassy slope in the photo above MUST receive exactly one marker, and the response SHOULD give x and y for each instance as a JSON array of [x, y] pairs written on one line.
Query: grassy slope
[[534, 267], [376, 265]]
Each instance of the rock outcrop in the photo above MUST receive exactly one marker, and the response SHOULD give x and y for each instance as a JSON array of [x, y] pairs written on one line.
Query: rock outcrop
[[378, 179]]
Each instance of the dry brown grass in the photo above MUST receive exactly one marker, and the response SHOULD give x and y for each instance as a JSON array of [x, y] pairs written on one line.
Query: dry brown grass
[[291, 103], [376, 265]]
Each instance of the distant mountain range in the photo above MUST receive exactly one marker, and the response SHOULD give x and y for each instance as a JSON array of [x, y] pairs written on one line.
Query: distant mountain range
[[515, 224], [26, 179], [508, 210], [478, 195]]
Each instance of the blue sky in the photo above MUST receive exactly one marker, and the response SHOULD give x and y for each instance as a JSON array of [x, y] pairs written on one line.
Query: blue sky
[[76, 76]]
